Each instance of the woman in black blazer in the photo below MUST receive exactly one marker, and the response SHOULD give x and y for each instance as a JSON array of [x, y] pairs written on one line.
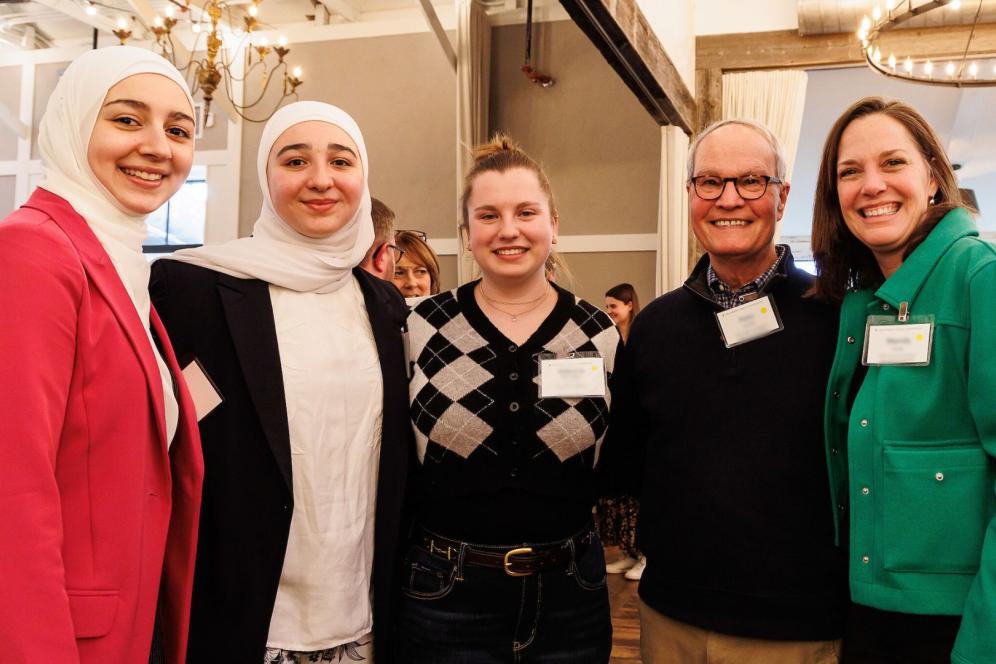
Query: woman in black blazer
[[307, 454]]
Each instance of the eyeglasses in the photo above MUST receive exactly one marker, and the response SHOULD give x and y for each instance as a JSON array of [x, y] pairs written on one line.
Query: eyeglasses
[[419, 234], [398, 252], [749, 187]]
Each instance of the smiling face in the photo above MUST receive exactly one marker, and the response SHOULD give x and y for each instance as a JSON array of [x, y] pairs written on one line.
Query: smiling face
[[510, 228], [315, 178], [738, 234], [620, 312], [142, 144], [883, 186], [411, 278]]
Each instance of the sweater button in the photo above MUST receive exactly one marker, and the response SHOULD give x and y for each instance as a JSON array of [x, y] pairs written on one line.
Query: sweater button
[[885, 306], [513, 376], [841, 507], [850, 340], [865, 491], [836, 395], [833, 451], [865, 559], [864, 423], [939, 477], [513, 348], [514, 406]]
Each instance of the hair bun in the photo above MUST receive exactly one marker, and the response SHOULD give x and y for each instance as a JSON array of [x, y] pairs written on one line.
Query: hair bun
[[499, 143]]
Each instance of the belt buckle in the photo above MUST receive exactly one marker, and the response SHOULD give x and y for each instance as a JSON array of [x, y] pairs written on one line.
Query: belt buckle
[[442, 552], [508, 562]]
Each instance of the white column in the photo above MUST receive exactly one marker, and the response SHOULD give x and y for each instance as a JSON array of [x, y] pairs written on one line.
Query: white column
[[672, 214]]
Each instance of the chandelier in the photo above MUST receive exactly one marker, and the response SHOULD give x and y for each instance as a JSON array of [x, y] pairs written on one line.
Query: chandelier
[[973, 67], [206, 74]]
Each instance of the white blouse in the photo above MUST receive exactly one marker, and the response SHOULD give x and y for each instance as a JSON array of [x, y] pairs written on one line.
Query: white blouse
[[334, 393]]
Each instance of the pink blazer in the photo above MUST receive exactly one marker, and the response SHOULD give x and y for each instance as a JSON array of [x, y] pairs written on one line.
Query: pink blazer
[[97, 520]]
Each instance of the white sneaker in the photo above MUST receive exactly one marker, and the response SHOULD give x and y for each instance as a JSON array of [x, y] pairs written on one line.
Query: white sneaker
[[636, 571], [621, 565]]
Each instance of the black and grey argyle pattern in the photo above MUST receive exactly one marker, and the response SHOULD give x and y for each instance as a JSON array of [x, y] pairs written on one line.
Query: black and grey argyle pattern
[[464, 389]]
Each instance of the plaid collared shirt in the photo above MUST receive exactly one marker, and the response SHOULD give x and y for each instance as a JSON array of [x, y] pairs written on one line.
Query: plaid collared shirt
[[728, 297]]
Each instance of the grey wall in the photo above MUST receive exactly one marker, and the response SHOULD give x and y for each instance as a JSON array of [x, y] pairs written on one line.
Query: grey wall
[[10, 97], [597, 143]]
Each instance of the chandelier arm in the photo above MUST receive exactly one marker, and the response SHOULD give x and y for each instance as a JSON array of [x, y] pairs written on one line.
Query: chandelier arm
[[262, 92]]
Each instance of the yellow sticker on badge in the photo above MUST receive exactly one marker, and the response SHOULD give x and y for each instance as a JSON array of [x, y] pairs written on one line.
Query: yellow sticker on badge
[[919, 337], [764, 310]]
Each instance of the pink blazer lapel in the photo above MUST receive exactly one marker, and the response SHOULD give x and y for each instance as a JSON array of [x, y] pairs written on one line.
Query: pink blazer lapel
[[105, 277]]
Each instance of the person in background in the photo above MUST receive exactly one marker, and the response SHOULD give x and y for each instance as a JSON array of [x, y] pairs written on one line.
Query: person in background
[[718, 409], [617, 517], [910, 410], [384, 253], [307, 454], [417, 272], [509, 404], [100, 460], [557, 270]]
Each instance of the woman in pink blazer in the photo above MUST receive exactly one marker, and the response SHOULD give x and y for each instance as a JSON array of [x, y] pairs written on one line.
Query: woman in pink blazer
[[100, 462]]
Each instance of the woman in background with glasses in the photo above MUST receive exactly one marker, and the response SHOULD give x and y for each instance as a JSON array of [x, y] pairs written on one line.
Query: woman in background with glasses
[[416, 273]]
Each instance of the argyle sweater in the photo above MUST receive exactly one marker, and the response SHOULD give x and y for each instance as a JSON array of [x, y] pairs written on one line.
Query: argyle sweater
[[498, 464]]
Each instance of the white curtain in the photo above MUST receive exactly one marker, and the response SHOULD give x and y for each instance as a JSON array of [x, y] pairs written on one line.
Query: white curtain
[[774, 98], [473, 81], [672, 253]]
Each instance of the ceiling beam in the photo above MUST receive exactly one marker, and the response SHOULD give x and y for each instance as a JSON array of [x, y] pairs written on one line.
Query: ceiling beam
[[75, 11], [344, 8], [785, 49], [444, 39], [622, 33]]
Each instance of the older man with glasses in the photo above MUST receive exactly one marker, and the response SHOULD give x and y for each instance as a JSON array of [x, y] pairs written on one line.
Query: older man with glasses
[[716, 425], [382, 255]]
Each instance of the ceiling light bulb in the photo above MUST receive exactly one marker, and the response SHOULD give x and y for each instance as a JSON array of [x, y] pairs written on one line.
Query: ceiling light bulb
[[973, 70], [170, 12], [892, 60], [297, 72], [158, 21], [91, 10], [950, 69], [877, 55], [890, 5], [866, 23], [122, 24], [282, 41], [253, 10], [928, 68], [196, 28], [908, 65], [264, 42], [955, 5], [876, 13]]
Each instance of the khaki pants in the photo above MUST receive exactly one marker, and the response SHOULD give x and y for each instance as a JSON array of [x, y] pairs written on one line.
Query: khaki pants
[[667, 641]]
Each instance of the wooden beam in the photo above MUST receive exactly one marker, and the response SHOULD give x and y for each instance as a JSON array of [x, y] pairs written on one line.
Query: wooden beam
[[785, 49], [709, 93], [621, 32], [437, 27]]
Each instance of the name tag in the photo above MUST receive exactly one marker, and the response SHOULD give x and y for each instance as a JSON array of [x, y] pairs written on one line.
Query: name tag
[[202, 390], [891, 343], [748, 322], [572, 377]]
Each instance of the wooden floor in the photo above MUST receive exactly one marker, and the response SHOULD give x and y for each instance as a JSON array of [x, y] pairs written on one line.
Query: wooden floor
[[625, 618]]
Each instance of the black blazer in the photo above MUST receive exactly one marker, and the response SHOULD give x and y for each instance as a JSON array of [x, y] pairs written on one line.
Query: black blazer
[[227, 324]]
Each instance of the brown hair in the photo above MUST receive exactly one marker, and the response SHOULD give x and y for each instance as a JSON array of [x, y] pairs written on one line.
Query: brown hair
[[626, 294], [383, 221], [501, 154], [843, 263], [420, 253]]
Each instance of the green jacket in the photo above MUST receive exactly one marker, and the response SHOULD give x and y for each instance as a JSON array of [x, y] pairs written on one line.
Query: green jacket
[[914, 462]]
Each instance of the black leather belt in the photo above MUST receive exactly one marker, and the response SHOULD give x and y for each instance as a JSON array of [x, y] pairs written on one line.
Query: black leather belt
[[513, 560]]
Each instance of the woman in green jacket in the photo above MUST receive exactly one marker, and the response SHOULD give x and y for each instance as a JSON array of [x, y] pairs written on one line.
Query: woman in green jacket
[[911, 402]]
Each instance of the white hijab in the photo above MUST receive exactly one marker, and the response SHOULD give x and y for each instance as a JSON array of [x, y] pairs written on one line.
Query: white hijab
[[63, 139], [276, 253]]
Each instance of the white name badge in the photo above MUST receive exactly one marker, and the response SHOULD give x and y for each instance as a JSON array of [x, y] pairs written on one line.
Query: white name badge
[[202, 390], [748, 322], [572, 377], [892, 344]]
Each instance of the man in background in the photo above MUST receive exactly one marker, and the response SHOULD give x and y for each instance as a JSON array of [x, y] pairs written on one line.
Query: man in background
[[382, 255]]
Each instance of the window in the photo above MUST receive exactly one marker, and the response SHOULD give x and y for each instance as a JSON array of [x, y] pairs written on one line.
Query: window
[[179, 223]]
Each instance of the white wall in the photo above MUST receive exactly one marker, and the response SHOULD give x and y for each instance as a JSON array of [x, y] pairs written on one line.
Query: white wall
[[674, 23], [720, 17]]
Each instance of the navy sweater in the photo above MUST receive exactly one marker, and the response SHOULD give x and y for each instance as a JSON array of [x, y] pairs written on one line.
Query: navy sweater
[[725, 448]]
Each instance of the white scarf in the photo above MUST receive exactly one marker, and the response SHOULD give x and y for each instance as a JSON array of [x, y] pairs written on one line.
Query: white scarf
[[276, 253], [63, 139]]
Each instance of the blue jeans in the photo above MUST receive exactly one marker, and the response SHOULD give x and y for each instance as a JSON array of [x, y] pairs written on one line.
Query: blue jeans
[[456, 613]]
